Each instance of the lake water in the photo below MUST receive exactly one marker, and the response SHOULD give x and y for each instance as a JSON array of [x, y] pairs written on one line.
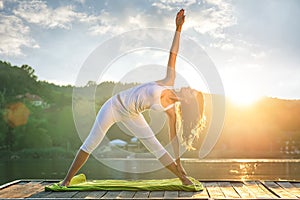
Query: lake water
[[206, 169]]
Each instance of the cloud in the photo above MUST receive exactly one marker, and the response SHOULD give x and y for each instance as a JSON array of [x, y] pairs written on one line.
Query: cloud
[[259, 55], [81, 1], [37, 12], [217, 16], [210, 18], [14, 35], [1, 4], [108, 22], [173, 4], [15, 28], [206, 17], [102, 24], [223, 45], [213, 17]]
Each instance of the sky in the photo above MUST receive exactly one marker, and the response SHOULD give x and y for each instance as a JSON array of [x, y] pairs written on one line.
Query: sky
[[254, 44]]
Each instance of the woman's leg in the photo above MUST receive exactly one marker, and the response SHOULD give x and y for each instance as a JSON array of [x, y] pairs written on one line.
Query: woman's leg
[[104, 120], [140, 128]]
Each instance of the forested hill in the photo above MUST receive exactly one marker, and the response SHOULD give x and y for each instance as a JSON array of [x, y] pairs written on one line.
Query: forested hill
[[16, 81], [50, 123], [268, 128]]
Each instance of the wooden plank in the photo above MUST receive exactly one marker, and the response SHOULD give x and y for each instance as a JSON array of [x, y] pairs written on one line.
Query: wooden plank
[[201, 194], [9, 184], [45, 183], [171, 194], [156, 194], [228, 190], [214, 190], [10, 189], [282, 193], [221, 190], [12, 185], [242, 190], [95, 194], [290, 188], [185, 194], [29, 189], [14, 191], [296, 184], [81, 194], [42, 194], [111, 195], [126, 194], [67, 194], [267, 190], [279, 191], [39, 187], [257, 190], [141, 195]]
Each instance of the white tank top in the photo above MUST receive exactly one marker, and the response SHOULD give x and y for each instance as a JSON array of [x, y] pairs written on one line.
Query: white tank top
[[143, 97]]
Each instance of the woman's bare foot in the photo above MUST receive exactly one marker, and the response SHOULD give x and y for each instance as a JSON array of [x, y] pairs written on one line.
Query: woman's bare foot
[[186, 181], [65, 183]]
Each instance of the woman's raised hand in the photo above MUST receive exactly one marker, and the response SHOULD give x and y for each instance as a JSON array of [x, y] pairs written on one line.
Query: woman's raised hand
[[180, 18]]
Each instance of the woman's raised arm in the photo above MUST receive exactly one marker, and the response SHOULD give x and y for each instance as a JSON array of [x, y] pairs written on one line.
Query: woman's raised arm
[[171, 73]]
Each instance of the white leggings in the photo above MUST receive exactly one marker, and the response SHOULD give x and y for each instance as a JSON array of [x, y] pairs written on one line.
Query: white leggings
[[111, 112]]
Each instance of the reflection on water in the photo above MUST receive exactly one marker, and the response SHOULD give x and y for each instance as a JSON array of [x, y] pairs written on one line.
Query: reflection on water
[[206, 169], [246, 169]]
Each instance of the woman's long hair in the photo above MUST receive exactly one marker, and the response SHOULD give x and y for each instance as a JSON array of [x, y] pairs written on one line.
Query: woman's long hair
[[190, 118]]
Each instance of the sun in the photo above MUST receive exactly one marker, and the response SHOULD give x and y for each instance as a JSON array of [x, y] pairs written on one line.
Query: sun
[[243, 98], [242, 90]]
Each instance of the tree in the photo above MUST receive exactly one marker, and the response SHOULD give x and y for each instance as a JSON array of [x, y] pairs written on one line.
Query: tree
[[30, 71], [91, 84]]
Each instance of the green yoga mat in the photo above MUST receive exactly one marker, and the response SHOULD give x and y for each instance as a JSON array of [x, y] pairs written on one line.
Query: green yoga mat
[[79, 183]]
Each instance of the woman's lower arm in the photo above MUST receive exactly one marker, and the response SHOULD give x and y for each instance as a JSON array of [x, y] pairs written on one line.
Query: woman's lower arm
[[175, 145], [168, 162], [175, 43], [80, 158]]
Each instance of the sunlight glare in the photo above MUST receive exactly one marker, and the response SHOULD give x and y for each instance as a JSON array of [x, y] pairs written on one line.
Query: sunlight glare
[[243, 98]]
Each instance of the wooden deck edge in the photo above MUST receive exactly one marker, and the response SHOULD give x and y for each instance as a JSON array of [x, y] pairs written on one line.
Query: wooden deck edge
[[5, 185], [213, 196], [41, 180]]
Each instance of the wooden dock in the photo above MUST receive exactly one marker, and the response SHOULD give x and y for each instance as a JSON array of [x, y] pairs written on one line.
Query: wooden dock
[[34, 189]]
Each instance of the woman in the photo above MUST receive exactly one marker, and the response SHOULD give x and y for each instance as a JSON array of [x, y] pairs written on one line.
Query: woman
[[184, 107]]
